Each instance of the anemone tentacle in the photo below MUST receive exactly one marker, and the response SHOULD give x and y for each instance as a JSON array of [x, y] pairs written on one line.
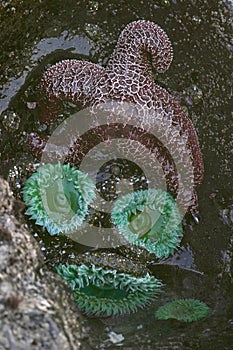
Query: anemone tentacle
[[57, 197], [186, 310], [150, 219], [105, 292]]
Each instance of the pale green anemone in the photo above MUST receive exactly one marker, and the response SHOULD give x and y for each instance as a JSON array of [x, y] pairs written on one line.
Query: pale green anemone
[[57, 197], [186, 310], [150, 219], [104, 292]]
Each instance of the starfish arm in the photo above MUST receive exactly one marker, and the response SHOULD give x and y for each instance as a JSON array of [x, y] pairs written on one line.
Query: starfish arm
[[68, 80], [186, 125], [136, 41]]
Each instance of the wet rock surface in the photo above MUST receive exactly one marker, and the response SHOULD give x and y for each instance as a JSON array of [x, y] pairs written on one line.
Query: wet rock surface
[[36, 309]]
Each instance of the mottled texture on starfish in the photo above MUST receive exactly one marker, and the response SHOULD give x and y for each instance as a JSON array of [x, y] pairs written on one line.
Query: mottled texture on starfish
[[70, 80], [127, 77]]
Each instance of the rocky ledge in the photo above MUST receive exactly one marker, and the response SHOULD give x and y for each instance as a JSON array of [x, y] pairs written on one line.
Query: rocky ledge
[[36, 311]]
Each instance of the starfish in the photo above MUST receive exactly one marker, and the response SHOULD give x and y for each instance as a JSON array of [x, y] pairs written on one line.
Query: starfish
[[128, 76]]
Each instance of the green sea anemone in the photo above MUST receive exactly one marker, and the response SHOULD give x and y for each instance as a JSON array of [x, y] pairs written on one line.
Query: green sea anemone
[[150, 219], [186, 310], [104, 292], [57, 197]]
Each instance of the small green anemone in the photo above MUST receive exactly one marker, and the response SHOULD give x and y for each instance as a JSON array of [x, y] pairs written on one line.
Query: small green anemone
[[103, 292], [150, 219], [186, 310], [57, 197]]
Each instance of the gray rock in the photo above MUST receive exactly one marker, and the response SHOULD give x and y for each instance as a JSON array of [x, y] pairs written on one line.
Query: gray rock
[[36, 309]]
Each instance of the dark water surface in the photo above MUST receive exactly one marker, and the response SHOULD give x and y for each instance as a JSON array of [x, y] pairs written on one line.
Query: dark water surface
[[34, 35]]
